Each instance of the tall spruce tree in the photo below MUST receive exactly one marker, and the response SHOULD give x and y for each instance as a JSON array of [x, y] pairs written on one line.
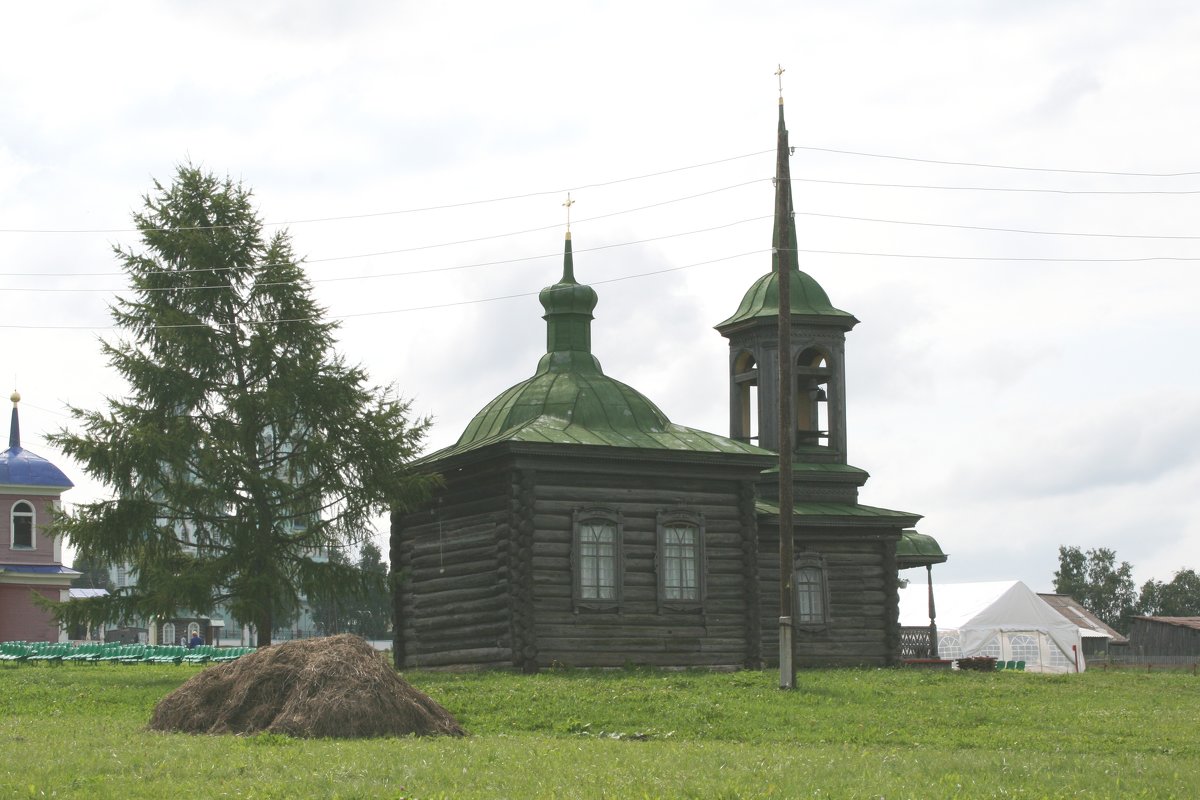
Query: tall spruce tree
[[245, 445]]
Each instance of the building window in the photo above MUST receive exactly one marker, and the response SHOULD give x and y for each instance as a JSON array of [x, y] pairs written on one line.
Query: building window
[[168, 633], [22, 526], [810, 593], [680, 557], [1024, 647], [949, 645], [991, 649], [597, 557]]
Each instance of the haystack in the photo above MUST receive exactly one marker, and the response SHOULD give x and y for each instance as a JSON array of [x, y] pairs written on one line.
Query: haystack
[[331, 687]]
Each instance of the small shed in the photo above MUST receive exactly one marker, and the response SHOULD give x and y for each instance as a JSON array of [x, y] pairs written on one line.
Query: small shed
[[1097, 635], [1002, 619], [1165, 636]]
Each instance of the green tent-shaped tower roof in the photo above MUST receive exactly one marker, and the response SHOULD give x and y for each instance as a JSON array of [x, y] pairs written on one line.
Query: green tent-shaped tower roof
[[569, 399], [807, 298]]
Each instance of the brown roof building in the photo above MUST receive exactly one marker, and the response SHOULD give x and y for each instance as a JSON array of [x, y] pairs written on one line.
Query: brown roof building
[[1097, 635], [1165, 636]]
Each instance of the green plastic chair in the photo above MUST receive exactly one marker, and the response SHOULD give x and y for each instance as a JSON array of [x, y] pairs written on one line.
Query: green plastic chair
[[999, 666], [1011, 665], [1020, 666]]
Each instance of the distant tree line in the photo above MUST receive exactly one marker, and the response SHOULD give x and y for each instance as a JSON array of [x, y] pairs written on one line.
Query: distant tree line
[[368, 614], [1106, 588]]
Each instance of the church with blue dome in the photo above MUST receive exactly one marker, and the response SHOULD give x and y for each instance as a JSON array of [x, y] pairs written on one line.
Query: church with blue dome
[[30, 557], [577, 525]]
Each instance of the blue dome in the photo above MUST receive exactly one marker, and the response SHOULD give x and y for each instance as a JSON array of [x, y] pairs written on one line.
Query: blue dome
[[19, 467]]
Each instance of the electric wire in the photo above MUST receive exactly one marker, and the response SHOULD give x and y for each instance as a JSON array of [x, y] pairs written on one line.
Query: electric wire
[[344, 278], [616, 181], [418, 248], [1000, 188], [927, 256], [397, 212], [1030, 231], [453, 304], [995, 166], [415, 249]]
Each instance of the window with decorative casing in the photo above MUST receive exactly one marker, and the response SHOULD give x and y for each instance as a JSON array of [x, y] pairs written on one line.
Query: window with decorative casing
[[680, 558], [596, 557], [810, 592], [22, 526]]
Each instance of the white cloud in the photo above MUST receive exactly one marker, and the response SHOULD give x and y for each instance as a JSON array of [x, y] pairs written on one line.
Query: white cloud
[[1019, 405]]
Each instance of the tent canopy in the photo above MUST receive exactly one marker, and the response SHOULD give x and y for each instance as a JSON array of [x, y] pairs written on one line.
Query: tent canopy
[[996, 615]]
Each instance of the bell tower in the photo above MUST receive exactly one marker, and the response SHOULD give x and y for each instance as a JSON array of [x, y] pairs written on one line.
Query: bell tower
[[817, 347]]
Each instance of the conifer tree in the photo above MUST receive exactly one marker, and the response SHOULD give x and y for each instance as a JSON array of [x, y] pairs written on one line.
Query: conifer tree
[[245, 446]]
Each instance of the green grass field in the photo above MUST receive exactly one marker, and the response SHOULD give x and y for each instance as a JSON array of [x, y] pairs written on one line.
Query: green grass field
[[79, 731]]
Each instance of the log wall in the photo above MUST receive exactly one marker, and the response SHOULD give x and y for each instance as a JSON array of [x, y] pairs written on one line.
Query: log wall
[[641, 630], [863, 602], [453, 605]]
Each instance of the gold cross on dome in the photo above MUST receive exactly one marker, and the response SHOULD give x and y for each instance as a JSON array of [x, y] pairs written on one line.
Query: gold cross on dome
[[779, 74], [567, 205]]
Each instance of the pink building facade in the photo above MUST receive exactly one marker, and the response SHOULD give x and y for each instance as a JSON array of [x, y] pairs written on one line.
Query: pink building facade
[[30, 558]]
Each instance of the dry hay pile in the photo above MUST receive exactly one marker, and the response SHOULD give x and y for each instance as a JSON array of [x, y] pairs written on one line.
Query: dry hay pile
[[332, 687]]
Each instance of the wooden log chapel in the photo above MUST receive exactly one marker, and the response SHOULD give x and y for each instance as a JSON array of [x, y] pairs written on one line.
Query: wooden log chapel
[[580, 526]]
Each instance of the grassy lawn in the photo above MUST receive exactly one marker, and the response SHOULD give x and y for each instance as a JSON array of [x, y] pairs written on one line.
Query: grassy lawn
[[78, 730]]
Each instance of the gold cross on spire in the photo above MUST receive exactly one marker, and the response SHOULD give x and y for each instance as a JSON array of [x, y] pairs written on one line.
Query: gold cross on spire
[[779, 74], [567, 205]]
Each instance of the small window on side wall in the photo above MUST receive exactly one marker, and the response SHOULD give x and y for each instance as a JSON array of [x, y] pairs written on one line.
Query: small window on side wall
[[810, 593], [680, 558], [22, 526], [596, 558]]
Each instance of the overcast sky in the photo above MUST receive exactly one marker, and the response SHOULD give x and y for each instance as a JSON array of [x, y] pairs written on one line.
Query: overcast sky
[[1022, 389]]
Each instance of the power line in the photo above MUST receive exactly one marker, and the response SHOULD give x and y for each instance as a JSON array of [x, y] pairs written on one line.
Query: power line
[[995, 188], [1047, 259], [996, 166], [418, 248], [395, 310], [398, 212], [986, 228], [344, 278], [866, 254], [613, 182]]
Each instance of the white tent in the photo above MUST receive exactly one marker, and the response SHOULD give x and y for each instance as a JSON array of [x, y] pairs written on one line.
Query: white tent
[[1002, 619]]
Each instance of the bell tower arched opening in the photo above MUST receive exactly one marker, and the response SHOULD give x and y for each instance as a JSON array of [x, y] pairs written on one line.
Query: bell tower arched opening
[[812, 373], [744, 398]]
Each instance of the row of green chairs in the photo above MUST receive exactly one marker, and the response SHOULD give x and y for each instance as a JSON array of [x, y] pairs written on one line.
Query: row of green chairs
[[15, 651], [115, 652], [1010, 666]]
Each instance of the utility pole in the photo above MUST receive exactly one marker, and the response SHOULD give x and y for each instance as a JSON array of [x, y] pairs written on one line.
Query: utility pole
[[784, 257]]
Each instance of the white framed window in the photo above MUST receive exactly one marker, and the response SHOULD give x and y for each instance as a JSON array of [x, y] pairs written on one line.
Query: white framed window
[[596, 557], [168, 633], [1024, 647], [22, 527], [680, 558], [1057, 657], [992, 648], [810, 592], [949, 645]]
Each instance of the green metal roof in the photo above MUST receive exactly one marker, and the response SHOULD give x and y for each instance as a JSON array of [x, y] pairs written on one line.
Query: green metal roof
[[852, 511], [822, 467], [918, 550], [807, 299], [569, 399]]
